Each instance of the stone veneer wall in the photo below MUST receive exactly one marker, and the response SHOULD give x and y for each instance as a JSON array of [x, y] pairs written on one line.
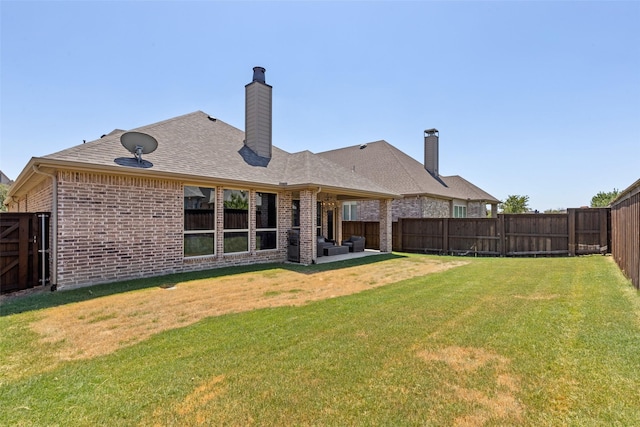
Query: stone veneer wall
[[410, 207], [435, 208], [476, 210]]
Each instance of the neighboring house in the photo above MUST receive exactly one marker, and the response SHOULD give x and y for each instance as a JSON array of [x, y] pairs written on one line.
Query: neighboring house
[[4, 179], [426, 194], [210, 195]]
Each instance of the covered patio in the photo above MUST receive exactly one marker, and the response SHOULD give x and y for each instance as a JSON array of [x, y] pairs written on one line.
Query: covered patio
[[347, 256], [320, 215]]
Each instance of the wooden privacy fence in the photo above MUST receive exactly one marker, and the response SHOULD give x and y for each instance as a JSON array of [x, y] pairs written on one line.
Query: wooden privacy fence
[[24, 251], [579, 231], [625, 223]]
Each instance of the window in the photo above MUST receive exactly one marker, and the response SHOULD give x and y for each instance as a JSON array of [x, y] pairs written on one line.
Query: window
[[236, 221], [199, 221], [350, 211], [266, 221], [295, 213], [459, 211]]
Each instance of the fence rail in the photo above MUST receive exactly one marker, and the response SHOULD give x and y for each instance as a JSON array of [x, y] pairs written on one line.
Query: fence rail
[[625, 222], [578, 232]]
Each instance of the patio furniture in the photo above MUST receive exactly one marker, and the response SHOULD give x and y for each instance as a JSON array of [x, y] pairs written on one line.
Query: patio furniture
[[323, 243], [335, 250], [354, 243]]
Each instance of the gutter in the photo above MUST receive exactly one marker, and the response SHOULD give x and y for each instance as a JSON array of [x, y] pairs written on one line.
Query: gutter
[[54, 227]]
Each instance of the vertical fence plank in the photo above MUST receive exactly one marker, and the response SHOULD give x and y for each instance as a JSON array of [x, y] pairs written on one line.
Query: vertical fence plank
[[23, 251], [445, 235], [572, 231]]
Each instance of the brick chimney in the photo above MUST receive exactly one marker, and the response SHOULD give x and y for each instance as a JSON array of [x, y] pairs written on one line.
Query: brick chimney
[[431, 137], [258, 114]]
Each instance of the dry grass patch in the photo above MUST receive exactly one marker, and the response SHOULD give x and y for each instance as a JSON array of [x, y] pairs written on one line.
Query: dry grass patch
[[501, 405], [103, 325]]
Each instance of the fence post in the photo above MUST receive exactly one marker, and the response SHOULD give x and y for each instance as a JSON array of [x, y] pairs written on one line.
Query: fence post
[[571, 218], [445, 235], [502, 241], [400, 244]]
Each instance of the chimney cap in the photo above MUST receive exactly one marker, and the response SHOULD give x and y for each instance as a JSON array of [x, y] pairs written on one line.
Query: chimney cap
[[431, 131], [258, 74]]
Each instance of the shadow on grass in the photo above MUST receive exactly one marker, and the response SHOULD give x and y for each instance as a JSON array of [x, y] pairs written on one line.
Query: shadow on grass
[[40, 300]]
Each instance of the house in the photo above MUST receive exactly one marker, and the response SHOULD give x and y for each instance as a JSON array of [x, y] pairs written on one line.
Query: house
[[194, 193], [4, 179], [426, 193]]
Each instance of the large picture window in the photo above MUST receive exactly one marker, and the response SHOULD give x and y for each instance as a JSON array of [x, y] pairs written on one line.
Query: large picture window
[[236, 221], [199, 221], [266, 221]]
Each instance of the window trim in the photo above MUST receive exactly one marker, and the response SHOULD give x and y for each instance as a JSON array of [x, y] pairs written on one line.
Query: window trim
[[458, 208], [237, 230], [270, 229], [351, 205], [195, 232]]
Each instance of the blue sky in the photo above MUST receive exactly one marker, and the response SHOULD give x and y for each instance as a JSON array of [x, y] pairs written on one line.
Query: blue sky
[[537, 98]]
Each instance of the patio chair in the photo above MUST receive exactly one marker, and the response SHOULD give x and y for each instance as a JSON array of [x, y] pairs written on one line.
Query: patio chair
[[355, 243], [323, 243]]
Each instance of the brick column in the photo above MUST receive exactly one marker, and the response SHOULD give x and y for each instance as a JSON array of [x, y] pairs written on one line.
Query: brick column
[[338, 217], [386, 237], [284, 221], [307, 226]]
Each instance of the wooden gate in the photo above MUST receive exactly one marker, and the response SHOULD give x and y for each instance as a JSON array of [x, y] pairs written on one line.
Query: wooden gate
[[24, 254]]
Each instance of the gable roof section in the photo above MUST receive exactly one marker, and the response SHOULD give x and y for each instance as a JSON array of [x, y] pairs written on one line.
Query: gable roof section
[[195, 148], [466, 190], [383, 163]]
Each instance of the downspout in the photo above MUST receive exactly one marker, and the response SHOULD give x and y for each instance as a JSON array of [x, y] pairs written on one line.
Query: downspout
[[54, 227]]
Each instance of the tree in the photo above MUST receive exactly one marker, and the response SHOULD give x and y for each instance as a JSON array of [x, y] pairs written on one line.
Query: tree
[[602, 199], [556, 211], [515, 204], [3, 195]]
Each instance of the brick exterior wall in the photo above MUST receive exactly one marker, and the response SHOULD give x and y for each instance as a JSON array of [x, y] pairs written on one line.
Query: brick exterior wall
[[39, 199], [112, 228]]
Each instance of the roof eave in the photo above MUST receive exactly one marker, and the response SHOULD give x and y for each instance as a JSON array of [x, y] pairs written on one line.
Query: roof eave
[[25, 181]]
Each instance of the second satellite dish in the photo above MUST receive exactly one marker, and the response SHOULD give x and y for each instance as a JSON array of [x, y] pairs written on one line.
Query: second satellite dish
[[138, 143]]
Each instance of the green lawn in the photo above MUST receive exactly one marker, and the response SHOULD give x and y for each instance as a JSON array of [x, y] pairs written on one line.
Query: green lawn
[[536, 342]]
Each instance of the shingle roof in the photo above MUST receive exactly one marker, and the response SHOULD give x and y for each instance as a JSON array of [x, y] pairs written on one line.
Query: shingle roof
[[196, 145], [383, 163]]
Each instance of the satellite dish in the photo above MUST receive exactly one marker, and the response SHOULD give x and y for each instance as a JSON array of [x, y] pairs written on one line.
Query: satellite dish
[[138, 143]]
